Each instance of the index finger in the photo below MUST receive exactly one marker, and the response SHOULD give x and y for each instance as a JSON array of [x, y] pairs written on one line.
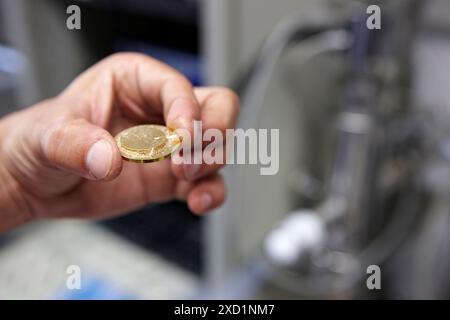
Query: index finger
[[163, 88], [141, 85]]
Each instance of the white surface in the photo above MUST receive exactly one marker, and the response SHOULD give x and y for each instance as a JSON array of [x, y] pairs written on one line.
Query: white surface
[[301, 232]]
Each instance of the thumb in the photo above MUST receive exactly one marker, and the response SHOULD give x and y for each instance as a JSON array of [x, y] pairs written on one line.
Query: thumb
[[82, 148]]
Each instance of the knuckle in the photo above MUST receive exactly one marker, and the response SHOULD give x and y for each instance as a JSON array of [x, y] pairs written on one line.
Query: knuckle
[[229, 95], [52, 140], [126, 56], [174, 78], [227, 92]]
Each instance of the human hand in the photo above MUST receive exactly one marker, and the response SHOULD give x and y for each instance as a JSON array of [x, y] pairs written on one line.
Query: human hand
[[59, 157]]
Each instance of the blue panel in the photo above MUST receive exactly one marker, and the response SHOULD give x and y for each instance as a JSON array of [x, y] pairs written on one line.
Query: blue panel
[[95, 288]]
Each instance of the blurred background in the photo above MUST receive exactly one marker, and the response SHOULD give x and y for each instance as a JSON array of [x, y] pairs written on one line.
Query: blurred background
[[364, 119]]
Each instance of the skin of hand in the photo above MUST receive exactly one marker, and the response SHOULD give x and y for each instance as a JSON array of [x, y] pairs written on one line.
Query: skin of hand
[[59, 158]]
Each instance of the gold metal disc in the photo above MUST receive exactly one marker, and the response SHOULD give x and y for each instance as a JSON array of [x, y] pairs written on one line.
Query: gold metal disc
[[147, 143]]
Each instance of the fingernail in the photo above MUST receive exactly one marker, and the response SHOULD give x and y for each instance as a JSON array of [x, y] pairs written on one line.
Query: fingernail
[[180, 123], [99, 159], [206, 201], [191, 170]]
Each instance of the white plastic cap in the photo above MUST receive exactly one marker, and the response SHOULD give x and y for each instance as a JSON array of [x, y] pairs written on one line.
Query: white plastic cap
[[300, 232]]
